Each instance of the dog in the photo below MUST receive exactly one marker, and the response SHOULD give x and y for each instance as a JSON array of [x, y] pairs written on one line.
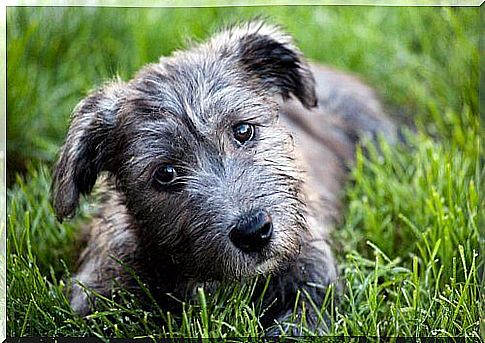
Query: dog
[[220, 163]]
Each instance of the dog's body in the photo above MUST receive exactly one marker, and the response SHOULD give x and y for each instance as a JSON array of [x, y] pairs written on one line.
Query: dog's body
[[219, 167]]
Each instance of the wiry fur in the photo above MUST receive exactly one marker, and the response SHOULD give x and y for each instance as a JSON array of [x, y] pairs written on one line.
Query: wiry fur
[[181, 111]]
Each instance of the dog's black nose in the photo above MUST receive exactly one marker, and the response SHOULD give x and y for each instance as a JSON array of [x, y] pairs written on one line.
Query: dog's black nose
[[252, 232]]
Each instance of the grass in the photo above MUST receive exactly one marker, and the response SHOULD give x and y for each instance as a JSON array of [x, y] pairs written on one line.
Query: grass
[[409, 245]]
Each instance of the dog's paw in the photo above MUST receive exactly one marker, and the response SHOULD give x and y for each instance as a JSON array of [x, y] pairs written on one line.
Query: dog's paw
[[292, 325], [79, 299]]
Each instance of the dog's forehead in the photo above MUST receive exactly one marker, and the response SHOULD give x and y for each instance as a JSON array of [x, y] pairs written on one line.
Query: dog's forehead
[[207, 92]]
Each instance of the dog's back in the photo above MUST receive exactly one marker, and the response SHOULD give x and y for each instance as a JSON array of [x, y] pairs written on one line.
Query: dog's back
[[326, 137]]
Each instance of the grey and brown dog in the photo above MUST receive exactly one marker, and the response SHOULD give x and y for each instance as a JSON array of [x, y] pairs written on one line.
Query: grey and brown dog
[[221, 162]]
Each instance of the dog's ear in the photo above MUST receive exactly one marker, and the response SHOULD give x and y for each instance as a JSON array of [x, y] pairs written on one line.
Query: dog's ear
[[269, 55], [87, 147]]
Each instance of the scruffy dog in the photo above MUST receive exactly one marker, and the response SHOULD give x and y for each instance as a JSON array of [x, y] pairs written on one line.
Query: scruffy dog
[[222, 162]]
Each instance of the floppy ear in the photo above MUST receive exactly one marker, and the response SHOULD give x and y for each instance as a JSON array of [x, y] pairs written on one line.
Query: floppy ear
[[269, 55], [87, 147]]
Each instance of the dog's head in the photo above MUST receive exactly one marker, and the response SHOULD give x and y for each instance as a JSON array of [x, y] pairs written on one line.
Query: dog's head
[[194, 145]]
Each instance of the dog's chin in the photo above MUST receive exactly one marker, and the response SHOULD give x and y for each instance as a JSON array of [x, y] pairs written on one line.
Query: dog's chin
[[253, 267], [246, 274], [268, 266]]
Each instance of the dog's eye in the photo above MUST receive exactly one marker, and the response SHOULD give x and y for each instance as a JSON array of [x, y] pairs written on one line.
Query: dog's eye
[[165, 174], [243, 132]]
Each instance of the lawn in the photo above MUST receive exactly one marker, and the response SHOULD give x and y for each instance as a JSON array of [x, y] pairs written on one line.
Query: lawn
[[410, 240]]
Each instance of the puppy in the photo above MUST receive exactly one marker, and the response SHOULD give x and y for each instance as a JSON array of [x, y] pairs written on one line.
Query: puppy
[[221, 163]]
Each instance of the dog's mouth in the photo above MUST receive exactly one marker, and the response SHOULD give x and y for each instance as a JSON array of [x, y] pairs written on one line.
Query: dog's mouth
[[257, 244], [237, 265], [269, 260]]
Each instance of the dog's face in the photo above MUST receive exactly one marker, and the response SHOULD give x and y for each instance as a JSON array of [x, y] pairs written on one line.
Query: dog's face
[[195, 146]]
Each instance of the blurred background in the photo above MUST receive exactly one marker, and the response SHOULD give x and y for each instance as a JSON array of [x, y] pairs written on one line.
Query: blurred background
[[56, 55]]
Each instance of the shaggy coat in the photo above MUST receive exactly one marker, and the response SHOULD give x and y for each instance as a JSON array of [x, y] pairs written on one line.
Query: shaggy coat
[[186, 200]]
